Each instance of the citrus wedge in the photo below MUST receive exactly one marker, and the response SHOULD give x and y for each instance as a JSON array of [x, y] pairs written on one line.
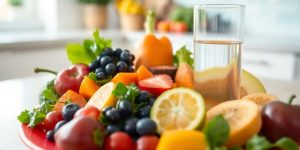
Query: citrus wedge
[[243, 117], [179, 108], [103, 97], [261, 99]]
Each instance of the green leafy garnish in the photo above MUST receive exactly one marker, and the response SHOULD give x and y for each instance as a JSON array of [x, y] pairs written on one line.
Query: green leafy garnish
[[217, 132], [89, 50], [93, 76], [48, 93], [98, 137], [261, 143], [183, 55]]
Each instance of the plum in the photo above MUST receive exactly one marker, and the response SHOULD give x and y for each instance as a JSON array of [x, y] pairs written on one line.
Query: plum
[[78, 134]]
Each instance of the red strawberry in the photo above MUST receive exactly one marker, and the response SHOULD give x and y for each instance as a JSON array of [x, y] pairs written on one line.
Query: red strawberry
[[156, 84]]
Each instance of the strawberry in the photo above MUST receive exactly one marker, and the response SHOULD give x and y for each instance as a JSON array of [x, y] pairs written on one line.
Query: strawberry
[[156, 84]]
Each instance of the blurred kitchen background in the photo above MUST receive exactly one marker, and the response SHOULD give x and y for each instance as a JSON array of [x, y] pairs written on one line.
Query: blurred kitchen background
[[33, 33]]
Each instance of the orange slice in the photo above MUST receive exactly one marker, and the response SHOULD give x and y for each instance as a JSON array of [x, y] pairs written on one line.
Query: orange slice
[[261, 99]]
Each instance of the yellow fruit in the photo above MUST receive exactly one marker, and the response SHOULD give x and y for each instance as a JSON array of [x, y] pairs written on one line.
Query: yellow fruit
[[260, 99], [216, 86], [243, 117], [182, 140], [179, 108], [103, 97]]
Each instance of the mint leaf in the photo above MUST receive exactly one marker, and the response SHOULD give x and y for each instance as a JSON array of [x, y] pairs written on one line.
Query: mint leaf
[[24, 117], [258, 143], [286, 143], [98, 137], [183, 55], [89, 50], [216, 132], [120, 91]]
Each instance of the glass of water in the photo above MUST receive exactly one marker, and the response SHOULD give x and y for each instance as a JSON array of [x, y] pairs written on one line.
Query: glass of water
[[218, 41]]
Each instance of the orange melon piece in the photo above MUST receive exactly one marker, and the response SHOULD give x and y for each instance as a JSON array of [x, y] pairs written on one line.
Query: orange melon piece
[[69, 96], [125, 78], [88, 87], [143, 73], [184, 76]]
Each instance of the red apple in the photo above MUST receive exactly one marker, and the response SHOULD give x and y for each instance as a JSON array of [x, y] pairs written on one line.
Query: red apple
[[71, 78]]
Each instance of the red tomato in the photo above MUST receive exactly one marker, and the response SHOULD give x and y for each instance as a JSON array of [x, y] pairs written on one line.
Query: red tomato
[[148, 142], [51, 119], [163, 26], [119, 141], [89, 111], [178, 27]]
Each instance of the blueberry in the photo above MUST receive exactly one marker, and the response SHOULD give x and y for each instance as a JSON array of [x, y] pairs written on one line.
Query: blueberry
[[126, 50], [143, 97], [125, 108], [151, 101], [122, 66], [106, 60], [50, 135], [93, 65], [117, 52], [113, 115], [100, 69], [59, 125], [69, 110], [111, 69], [144, 111], [132, 57], [111, 128], [101, 75], [146, 126], [125, 56], [130, 69], [98, 59], [109, 51], [104, 111], [130, 126]]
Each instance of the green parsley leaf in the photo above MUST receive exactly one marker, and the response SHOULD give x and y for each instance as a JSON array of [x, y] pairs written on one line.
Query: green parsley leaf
[[286, 143], [132, 92], [36, 118], [93, 76], [183, 55], [98, 137], [216, 132], [24, 117], [258, 143], [89, 50], [120, 91], [48, 93]]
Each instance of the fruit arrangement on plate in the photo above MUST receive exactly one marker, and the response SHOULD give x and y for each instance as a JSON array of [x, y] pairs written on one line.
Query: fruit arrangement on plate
[[115, 99]]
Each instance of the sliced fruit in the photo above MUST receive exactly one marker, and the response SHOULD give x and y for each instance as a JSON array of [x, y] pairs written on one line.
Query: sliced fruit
[[213, 82], [69, 96], [88, 87], [156, 84], [179, 108], [243, 117], [143, 73], [169, 70], [182, 139], [125, 78], [103, 97], [261, 99], [185, 76]]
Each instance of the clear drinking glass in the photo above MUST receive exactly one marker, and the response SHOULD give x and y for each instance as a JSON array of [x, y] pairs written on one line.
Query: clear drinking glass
[[218, 40]]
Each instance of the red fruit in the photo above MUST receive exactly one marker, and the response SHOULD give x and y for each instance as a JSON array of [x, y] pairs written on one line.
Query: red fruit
[[119, 141], [70, 79], [89, 111], [163, 26], [178, 27], [78, 134], [148, 142], [156, 84], [51, 119]]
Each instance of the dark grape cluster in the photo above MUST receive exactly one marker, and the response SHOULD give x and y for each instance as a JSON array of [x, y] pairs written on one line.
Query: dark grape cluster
[[131, 116], [110, 62]]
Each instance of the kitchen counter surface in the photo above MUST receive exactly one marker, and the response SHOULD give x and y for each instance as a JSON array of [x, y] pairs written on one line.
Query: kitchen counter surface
[[22, 93]]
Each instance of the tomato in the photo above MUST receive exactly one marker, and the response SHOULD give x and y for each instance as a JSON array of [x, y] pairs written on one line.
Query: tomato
[[148, 142], [163, 26], [119, 141], [178, 27], [89, 111], [51, 119]]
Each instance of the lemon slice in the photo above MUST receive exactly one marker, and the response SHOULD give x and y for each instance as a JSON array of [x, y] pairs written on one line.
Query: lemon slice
[[179, 108]]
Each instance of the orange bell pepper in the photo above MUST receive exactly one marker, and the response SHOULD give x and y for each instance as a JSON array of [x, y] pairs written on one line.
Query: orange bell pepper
[[153, 51]]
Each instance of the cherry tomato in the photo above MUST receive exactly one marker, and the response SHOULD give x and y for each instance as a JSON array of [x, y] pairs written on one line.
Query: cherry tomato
[[119, 141], [178, 27], [163, 26], [89, 111], [147, 142], [51, 119]]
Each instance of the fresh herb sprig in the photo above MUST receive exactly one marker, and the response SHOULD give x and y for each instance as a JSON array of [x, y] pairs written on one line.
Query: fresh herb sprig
[[183, 55]]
